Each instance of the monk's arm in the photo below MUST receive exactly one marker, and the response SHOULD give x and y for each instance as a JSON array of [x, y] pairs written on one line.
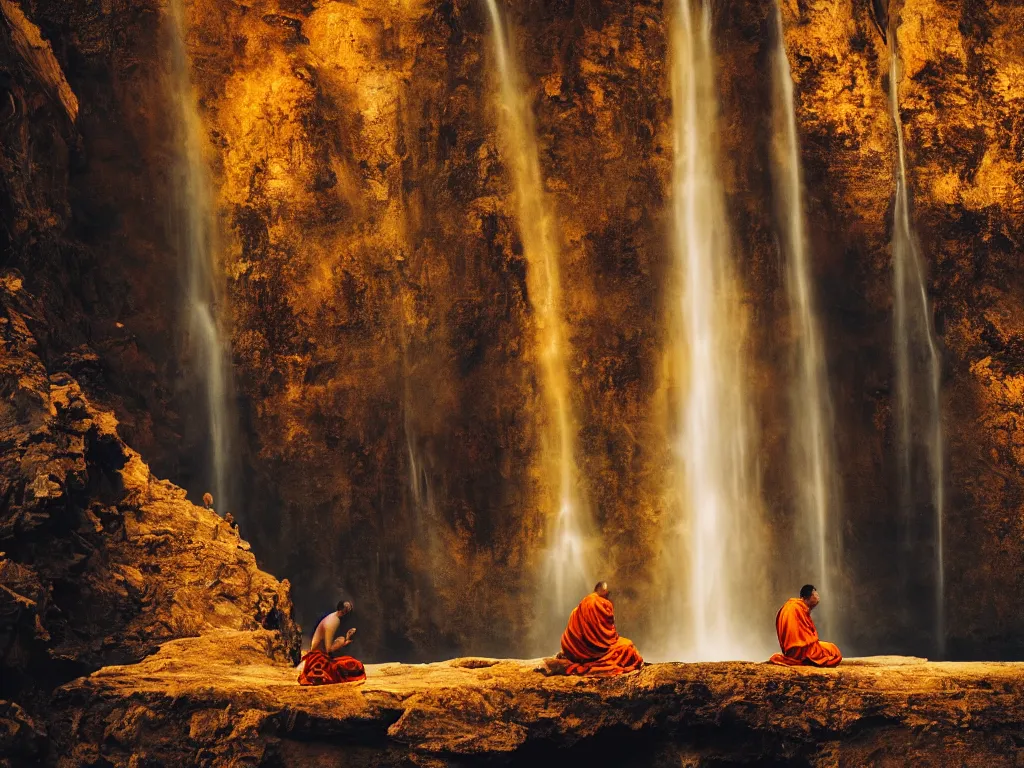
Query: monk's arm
[[341, 642]]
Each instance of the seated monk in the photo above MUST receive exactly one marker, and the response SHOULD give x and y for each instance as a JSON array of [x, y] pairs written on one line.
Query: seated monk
[[590, 643], [798, 637], [323, 664]]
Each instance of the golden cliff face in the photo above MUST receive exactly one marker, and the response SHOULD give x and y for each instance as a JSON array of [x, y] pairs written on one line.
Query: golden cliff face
[[382, 334], [378, 312], [961, 95], [383, 340]]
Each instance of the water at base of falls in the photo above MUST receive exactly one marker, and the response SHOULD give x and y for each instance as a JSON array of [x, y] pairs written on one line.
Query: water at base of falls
[[207, 355]]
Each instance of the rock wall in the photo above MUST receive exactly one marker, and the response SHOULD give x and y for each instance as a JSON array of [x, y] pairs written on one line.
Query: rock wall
[[87, 218], [382, 330], [382, 336], [961, 94], [963, 156], [100, 562], [839, 59]]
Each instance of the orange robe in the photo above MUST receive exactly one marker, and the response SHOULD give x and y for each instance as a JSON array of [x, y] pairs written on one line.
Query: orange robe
[[592, 645], [798, 639], [320, 669]]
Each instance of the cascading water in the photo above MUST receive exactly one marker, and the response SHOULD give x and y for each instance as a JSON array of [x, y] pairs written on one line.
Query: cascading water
[[918, 389], [421, 490], [570, 572], [207, 357], [811, 415], [713, 541]]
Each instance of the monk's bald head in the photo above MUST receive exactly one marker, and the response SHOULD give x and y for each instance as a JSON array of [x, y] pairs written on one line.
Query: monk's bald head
[[601, 588], [809, 595]]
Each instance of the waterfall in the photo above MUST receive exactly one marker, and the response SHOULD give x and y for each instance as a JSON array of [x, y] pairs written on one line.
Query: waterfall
[[713, 540], [570, 574], [810, 415], [918, 386], [208, 359], [428, 561], [421, 489]]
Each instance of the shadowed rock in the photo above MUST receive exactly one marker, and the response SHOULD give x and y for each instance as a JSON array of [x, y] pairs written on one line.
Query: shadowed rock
[[100, 562]]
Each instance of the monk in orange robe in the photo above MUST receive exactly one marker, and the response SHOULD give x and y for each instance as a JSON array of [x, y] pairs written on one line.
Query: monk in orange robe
[[324, 664], [798, 637], [590, 643]]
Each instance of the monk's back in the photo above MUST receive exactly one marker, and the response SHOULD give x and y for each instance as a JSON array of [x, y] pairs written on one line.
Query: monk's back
[[330, 621], [591, 629], [591, 643], [798, 636]]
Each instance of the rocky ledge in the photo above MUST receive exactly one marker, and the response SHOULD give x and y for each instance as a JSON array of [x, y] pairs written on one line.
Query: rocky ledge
[[218, 700]]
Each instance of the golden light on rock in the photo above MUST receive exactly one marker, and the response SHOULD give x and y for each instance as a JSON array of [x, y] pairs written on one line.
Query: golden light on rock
[[623, 308], [569, 559]]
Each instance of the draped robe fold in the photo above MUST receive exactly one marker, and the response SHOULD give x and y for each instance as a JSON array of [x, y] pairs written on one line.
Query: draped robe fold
[[798, 639], [592, 645], [317, 668]]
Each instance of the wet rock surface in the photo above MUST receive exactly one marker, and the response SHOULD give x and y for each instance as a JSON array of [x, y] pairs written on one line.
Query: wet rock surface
[[216, 700]]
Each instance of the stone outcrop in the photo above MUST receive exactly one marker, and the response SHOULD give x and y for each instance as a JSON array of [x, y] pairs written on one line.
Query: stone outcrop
[[216, 701], [37, 54], [101, 562]]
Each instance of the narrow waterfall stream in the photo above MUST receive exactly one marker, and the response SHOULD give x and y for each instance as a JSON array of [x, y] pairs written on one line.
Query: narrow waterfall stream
[[812, 452], [207, 353], [570, 571], [921, 443]]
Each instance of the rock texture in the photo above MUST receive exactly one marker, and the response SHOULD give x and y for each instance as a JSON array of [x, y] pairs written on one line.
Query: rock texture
[[382, 338], [215, 701], [961, 93], [957, 94], [847, 139], [100, 562]]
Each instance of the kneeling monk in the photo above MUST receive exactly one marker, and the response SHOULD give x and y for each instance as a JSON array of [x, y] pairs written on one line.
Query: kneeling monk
[[590, 642], [798, 637], [323, 664]]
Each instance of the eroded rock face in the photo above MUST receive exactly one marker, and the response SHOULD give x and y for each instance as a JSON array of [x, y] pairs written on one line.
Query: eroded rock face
[[86, 160], [216, 701], [961, 93], [848, 150], [382, 338], [962, 137], [100, 562]]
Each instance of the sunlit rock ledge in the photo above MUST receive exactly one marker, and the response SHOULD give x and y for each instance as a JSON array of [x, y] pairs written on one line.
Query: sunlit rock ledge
[[218, 700]]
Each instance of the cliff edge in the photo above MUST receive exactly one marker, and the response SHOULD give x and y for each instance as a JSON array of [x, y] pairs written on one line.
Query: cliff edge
[[216, 700]]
